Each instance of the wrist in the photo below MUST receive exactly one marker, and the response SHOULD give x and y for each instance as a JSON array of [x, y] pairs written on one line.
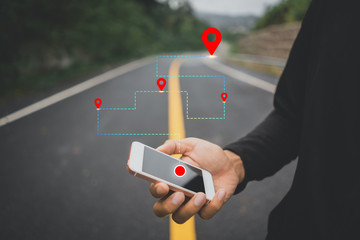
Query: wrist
[[237, 164]]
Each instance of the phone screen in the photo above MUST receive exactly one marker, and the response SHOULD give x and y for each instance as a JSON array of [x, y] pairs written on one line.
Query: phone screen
[[162, 166]]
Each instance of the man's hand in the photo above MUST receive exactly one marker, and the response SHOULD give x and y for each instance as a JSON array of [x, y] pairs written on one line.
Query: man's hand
[[227, 171]]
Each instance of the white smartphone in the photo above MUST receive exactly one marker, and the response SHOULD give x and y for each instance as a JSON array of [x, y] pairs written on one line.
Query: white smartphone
[[154, 166]]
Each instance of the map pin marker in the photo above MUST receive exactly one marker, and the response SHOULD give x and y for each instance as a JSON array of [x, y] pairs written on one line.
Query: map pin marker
[[98, 102], [161, 84], [224, 96], [211, 46]]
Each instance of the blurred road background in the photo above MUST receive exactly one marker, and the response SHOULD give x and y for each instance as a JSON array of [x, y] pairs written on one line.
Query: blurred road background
[[59, 179]]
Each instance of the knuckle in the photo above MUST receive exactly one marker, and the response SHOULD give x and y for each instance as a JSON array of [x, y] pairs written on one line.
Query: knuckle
[[166, 208], [217, 207]]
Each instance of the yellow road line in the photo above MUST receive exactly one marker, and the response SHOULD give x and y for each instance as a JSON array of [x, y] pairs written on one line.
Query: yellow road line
[[176, 125]]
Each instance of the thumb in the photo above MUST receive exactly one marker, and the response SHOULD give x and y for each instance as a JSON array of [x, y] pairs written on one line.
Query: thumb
[[174, 147]]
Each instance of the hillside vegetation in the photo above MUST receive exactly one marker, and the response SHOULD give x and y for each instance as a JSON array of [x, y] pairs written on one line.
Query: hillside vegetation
[[284, 12], [44, 42]]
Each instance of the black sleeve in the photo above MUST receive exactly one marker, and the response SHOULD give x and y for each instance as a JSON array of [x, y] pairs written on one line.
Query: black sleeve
[[275, 142]]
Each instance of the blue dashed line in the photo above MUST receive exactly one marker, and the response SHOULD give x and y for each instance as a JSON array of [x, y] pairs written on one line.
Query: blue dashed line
[[187, 105], [98, 122], [187, 100], [137, 134], [193, 76]]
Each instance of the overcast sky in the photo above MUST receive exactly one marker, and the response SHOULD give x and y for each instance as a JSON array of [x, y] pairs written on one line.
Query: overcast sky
[[232, 7]]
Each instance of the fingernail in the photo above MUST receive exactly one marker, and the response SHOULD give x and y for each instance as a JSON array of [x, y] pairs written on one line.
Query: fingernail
[[199, 200], [221, 194], [177, 198]]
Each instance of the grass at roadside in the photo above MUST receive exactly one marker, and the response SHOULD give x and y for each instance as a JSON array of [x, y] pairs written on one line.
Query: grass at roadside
[[268, 69]]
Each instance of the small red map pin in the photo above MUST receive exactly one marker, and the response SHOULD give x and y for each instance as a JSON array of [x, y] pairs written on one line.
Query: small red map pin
[[179, 170], [211, 46], [98, 102], [224, 96], [161, 83]]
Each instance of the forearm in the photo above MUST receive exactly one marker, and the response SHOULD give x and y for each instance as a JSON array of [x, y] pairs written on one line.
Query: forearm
[[268, 147], [276, 141]]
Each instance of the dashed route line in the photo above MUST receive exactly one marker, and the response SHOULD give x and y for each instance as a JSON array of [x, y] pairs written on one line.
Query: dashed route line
[[98, 122], [133, 134], [187, 106], [187, 100]]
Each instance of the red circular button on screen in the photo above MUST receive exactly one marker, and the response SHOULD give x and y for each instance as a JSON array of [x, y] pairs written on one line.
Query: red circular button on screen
[[179, 171]]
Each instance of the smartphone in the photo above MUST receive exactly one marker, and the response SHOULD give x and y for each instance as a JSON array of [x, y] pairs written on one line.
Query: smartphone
[[154, 166]]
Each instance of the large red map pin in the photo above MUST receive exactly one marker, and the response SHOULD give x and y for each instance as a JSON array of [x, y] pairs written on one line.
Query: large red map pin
[[211, 46]]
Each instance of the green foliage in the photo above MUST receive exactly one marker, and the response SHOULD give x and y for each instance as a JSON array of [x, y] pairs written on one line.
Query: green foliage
[[42, 39], [233, 40], [283, 12]]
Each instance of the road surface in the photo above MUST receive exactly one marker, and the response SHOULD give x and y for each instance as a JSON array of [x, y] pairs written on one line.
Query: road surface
[[60, 180]]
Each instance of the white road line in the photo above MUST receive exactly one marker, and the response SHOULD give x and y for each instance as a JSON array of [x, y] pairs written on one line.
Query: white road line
[[241, 76], [74, 90]]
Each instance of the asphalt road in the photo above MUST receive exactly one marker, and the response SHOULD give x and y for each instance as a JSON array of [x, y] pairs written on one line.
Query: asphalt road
[[60, 180]]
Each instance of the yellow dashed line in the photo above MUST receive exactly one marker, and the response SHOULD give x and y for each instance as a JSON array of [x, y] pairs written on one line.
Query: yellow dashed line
[[184, 231]]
